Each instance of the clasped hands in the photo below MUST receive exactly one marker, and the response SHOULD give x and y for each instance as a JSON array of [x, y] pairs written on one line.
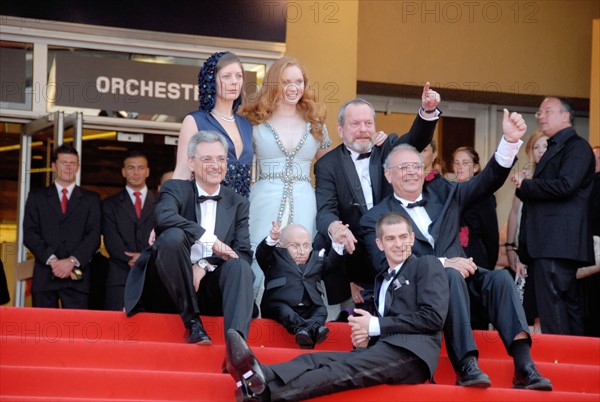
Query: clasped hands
[[342, 234], [62, 268], [359, 323]]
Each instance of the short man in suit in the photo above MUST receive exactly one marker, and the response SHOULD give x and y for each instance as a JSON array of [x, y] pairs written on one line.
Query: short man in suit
[[292, 274], [399, 344], [127, 220], [200, 261], [556, 237], [434, 211], [349, 181], [61, 228]]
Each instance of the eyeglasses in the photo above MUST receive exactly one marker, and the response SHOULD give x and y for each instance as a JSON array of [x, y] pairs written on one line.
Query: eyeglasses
[[66, 164], [298, 247], [208, 159], [409, 167], [545, 112]]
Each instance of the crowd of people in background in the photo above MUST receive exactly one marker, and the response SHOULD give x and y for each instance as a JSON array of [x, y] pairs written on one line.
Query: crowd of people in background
[[213, 242]]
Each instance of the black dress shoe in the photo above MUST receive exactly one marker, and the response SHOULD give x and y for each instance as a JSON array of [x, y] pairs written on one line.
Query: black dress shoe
[[304, 339], [197, 334], [320, 333], [243, 394], [530, 378], [243, 367], [470, 375]]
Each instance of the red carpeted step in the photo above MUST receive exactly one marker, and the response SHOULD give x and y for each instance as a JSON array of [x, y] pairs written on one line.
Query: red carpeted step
[[154, 356], [143, 386], [53, 324]]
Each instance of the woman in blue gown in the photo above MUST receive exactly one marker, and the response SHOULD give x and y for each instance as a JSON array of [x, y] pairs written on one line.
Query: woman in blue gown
[[220, 81]]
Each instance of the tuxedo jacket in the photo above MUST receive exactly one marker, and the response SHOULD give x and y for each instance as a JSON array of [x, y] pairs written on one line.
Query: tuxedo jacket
[[556, 219], [123, 231], [177, 208], [46, 231], [340, 197], [286, 281], [484, 237], [415, 309], [445, 202]]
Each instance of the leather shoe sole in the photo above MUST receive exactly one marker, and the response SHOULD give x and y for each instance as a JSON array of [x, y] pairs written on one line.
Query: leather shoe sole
[[243, 366], [479, 382]]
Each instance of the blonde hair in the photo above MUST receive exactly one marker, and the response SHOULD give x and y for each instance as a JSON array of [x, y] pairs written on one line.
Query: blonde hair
[[537, 134], [270, 96]]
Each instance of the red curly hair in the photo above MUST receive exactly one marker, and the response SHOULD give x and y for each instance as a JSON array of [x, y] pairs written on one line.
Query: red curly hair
[[261, 107]]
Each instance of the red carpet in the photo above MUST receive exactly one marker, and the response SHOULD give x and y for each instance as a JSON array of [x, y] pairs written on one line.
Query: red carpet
[[75, 355]]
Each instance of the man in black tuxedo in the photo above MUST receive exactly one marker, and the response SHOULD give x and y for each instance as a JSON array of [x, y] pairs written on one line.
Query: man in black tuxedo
[[556, 237], [349, 181], [399, 344], [127, 220], [200, 261], [434, 211], [292, 276], [61, 228]]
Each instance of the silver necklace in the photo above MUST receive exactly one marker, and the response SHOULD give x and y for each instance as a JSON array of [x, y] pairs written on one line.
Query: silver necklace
[[228, 119]]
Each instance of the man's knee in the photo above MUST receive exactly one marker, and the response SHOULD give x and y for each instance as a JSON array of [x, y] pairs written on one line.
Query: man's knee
[[172, 239], [238, 267]]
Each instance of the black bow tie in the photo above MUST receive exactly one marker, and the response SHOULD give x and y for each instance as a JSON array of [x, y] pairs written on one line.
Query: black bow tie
[[387, 274], [417, 204], [364, 156], [203, 198]]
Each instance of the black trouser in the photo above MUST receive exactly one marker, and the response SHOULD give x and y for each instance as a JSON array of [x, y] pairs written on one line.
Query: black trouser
[[315, 374], [496, 295], [69, 298], [558, 296], [226, 291], [294, 317]]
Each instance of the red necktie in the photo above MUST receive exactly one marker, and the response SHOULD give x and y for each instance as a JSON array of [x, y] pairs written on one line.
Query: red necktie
[[138, 204], [64, 200]]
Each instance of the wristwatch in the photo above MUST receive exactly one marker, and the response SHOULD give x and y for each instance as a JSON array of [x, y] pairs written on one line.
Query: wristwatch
[[202, 263]]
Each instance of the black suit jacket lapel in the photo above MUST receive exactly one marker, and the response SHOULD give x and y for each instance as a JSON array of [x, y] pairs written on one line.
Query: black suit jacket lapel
[[225, 217], [127, 205], [53, 199], [148, 208], [74, 202], [376, 174], [550, 153], [353, 181]]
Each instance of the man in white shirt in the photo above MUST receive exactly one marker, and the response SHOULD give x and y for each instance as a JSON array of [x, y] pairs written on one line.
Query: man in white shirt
[[398, 344], [434, 210], [127, 220], [200, 262], [61, 228]]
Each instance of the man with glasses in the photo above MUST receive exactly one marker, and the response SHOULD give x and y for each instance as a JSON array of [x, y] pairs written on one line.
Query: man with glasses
[[292, 273], [556, 237], [200, 261], [127, 220], [434, 210], [349, 181], [61, 228]]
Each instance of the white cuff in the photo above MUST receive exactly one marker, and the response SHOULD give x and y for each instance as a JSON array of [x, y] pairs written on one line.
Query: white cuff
[[338, 248], [270, 241], [374, 329], [436, 114], [506, 152]]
